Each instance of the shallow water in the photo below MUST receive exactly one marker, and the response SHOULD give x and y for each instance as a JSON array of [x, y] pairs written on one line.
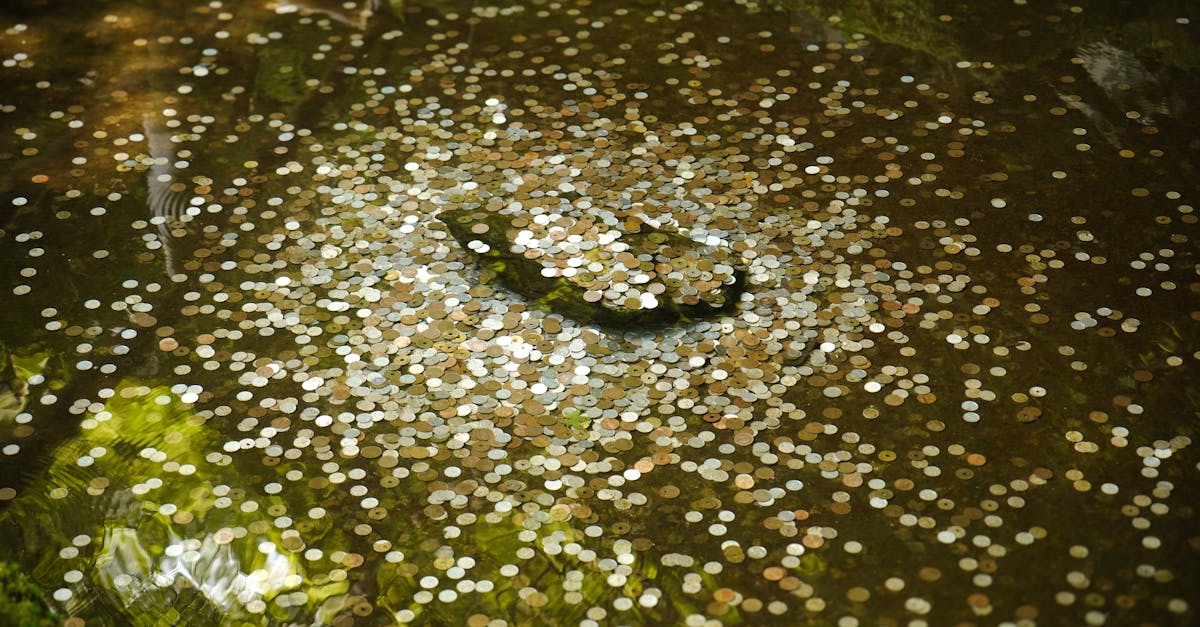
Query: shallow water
[[248, 377]]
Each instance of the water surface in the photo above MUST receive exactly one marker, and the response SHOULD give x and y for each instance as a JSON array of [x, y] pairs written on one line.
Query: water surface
[[247, 376]]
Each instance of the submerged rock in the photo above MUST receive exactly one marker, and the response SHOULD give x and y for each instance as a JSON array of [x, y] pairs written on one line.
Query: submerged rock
[[599, 270]]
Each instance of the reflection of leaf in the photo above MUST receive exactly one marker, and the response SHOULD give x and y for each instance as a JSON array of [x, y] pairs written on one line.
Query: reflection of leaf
[[1193, 395], [1167, 344]]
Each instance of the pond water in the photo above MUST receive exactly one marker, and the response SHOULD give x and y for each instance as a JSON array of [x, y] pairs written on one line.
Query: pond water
[[931, 272]]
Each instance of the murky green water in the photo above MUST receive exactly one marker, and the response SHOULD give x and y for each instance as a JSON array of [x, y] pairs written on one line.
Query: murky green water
[[248, 376]]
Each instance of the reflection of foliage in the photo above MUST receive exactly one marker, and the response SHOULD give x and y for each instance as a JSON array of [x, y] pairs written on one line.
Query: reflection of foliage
[[396, 8], [1175, 45], [282, 74], [13, 389], [21, 603], [950, 31], [27, 364], [913, 24], [811, 565], [166, 551], [17, 369]]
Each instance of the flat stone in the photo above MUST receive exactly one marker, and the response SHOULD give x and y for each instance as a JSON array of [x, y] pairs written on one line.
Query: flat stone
[[589, 270]]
